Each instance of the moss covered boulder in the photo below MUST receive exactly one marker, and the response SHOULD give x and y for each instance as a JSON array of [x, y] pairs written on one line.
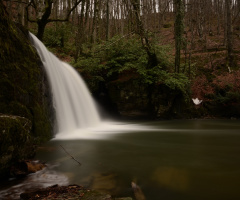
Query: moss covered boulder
[[16, 142], [24, 92]]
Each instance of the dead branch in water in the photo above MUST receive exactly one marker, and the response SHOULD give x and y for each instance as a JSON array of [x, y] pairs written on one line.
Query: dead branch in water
[[138, 192], [70, 155]]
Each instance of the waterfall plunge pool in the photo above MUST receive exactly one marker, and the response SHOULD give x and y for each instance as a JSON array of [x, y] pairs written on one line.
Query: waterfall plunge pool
[[182, 159]]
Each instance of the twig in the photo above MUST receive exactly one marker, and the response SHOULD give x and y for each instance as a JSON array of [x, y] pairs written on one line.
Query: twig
[[138, 192], [103, 48], [70, 155]]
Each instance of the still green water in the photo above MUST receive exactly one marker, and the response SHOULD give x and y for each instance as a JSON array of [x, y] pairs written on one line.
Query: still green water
[[190, 159]]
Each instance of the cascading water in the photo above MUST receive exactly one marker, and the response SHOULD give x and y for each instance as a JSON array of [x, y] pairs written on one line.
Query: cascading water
[[75, 108], [76, 113]]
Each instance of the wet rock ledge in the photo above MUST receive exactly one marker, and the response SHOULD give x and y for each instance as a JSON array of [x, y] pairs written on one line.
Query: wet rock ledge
[[73, 192]]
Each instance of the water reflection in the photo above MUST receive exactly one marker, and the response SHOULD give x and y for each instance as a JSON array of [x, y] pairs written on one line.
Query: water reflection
[[171, 178], [191, 159]]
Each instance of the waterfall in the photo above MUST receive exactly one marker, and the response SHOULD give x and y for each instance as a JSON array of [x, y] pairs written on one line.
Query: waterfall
[[76, 113], [75, 108]]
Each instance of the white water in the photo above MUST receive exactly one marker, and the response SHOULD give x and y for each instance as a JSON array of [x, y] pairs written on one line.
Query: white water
[[75, 108], [76, 113]]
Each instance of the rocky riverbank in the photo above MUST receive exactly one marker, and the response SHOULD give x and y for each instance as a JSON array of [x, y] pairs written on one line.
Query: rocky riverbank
[[73, 192]]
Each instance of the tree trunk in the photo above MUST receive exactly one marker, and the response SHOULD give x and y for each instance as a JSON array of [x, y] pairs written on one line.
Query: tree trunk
[[229, 33], [43, 14], [80, 36], [95, 22], [41, 29], [152, 58], [44, 19], [107, 21], [178, 32]]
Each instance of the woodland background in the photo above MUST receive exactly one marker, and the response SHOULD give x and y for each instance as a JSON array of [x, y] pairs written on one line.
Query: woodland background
[[163, 52]]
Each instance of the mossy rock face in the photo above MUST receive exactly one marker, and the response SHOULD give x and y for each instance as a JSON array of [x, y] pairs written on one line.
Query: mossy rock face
[[16, 142], [24, 90]]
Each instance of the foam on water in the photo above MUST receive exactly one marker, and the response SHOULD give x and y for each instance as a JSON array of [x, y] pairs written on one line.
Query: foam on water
[[103, 131]]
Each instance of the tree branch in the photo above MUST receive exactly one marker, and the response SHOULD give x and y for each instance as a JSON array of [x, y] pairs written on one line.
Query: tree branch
[[70, 155], [68, 13], [101, 49], [20, 2], [236, 17], [31, 3]]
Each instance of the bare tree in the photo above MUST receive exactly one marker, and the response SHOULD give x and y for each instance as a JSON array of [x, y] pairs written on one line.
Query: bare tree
[[43, 10]]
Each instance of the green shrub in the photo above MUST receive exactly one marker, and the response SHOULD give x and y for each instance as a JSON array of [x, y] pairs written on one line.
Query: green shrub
[[57, 35], [121, 56]]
